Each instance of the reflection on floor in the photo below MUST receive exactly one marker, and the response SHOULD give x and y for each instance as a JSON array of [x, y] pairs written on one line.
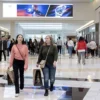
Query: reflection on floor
[[35, 93], [69, 74]]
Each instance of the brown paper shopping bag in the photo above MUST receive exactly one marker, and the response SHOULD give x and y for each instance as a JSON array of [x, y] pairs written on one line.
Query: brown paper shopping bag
[[37, 79], [10, 76]]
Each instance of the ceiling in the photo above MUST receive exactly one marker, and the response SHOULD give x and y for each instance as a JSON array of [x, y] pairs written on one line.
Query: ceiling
[[42, 1], [41, 26], [32, 28]]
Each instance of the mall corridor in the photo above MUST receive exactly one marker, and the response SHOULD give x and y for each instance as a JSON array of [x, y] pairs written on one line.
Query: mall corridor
[[81, 80], [49, 49]]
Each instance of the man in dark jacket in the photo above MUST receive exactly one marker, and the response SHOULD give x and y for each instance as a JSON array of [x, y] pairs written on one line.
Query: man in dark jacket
[[3, 47]]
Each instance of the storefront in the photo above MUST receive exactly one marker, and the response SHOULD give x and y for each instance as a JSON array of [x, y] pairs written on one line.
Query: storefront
[[4, 33], [88, 33]]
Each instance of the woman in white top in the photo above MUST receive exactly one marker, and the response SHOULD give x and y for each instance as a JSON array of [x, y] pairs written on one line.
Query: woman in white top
[[59, 45], [70, 47], [93, 47]]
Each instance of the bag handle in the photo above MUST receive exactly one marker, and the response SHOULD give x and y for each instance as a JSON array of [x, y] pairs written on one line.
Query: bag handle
[[47, 53], [20, 52]]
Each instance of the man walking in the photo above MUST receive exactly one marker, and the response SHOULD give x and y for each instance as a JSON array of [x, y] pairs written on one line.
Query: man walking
[[59, 45], [3, 47], [8, 45]]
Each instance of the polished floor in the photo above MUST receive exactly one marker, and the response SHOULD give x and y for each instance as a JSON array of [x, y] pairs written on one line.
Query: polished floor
[[69, 74]]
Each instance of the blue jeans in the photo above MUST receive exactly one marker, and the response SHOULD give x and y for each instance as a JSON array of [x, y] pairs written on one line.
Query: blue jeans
[[70, 49], [49, 73], [81, 55]]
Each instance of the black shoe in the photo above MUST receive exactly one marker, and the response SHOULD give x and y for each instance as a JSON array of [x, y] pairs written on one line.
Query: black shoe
[[46, 92], [51, 87]]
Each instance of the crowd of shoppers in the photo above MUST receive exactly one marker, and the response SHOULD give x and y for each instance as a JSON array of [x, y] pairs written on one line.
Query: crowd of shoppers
[[34, 46], [91, 48], [47, 50]]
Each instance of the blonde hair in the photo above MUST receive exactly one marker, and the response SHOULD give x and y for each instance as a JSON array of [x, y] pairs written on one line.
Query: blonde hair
[[51, 40]]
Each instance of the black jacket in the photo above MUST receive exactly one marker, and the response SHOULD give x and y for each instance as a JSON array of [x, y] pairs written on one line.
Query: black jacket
[[4, 45], [52, 55]]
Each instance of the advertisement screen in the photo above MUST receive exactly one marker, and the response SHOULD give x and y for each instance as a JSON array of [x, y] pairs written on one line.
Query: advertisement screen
[[32, 10], [37, 10], [60, 11]]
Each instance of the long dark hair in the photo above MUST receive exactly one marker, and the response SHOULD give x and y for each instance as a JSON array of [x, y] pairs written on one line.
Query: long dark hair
[[41, 41], [16, 42], [81, 39]]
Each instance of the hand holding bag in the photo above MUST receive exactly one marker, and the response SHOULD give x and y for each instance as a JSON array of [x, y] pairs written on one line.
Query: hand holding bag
[[10, 76], [43, 62], [37, 78]]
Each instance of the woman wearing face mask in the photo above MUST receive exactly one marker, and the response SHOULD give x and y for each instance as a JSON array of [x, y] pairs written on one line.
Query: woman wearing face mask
[[19, 61], [49, 69]]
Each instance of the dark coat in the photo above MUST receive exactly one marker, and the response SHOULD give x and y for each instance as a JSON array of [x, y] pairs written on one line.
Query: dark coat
[[4, 45]]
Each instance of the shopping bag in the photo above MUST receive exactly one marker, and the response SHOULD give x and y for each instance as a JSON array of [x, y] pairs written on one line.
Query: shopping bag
[[37, 79], [10, 76]]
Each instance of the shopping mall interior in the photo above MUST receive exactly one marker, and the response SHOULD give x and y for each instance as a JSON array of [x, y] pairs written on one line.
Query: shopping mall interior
[[39, 19]]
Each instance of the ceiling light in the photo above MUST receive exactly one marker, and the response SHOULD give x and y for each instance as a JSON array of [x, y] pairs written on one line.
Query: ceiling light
[[40, 23], [5, 29], [41, 26], [85, 26]]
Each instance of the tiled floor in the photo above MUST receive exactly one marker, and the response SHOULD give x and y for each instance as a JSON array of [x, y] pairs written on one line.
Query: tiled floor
[[69, 74]]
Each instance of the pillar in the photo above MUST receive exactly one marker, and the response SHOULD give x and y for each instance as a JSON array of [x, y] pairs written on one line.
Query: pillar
[[12, 29]]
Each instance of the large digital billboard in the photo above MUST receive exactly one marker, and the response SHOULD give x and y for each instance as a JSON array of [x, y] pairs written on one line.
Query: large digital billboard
[[38, 10], [60, 11], [32, 10]]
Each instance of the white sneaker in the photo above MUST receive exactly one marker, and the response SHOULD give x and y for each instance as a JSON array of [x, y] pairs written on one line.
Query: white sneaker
[[17, 94]]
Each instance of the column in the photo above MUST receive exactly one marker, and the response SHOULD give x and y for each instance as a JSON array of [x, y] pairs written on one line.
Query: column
[[12, 29], [97, 33]]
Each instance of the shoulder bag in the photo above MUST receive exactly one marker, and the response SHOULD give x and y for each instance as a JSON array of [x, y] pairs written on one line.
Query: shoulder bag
[[43, 62], [20, 53]]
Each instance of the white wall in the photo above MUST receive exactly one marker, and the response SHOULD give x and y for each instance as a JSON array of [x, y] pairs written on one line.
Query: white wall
[[5, 25], [19, 30], [96, 3], [97, 10], [96, 7], [10, 25], [81, 11], [1, 10]]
